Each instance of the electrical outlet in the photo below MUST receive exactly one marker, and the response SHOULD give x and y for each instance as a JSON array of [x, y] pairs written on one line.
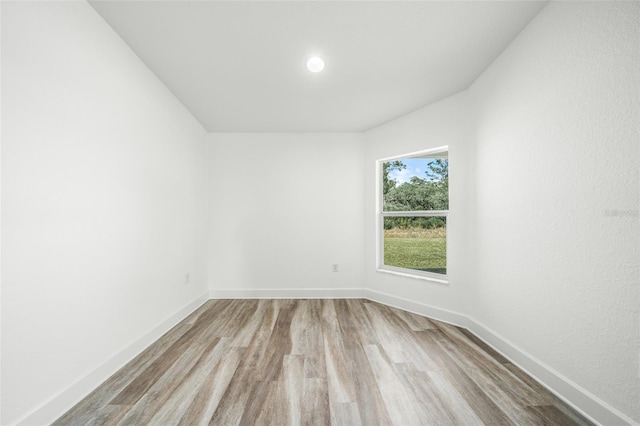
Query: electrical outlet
[[334, 267], [187, 278]]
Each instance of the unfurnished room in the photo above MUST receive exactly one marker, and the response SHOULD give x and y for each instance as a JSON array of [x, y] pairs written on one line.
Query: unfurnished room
[[322, 212]]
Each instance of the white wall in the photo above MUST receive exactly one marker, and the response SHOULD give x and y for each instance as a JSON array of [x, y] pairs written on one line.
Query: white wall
[[104, 205], [443, 123], [557, 153], [103, 176], [544, 248], [285, 207]]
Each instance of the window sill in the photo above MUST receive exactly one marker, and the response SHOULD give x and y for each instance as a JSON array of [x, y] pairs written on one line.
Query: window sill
[[404, 273]]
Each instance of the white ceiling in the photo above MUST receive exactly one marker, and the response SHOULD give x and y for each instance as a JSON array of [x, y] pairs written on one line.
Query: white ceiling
[[239, 66]]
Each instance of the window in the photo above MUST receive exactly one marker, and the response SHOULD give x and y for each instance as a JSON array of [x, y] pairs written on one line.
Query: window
[[413, 205]]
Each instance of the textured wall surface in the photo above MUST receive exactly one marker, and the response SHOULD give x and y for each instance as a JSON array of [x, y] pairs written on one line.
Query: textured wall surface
[[284, 208], [557, 196], [103, 176], [544, 236]]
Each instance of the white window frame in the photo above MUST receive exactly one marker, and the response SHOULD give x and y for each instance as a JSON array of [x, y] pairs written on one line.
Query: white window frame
[[380, 215]]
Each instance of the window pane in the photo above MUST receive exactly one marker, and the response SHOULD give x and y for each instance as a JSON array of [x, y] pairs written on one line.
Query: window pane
[[416, 183], [418, 243]]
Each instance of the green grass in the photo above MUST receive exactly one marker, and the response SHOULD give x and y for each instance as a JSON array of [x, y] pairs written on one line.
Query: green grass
[[419, 251]]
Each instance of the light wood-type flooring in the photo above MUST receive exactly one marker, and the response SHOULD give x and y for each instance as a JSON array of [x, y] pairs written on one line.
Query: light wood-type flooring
[[318, 362]]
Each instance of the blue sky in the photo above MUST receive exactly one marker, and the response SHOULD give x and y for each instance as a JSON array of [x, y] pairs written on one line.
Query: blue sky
[[415, 167]]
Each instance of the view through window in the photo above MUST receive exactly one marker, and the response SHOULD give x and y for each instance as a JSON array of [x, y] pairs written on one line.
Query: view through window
[[413, 215]]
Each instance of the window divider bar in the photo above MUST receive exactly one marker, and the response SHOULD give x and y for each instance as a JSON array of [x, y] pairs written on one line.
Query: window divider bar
[[419, 213]]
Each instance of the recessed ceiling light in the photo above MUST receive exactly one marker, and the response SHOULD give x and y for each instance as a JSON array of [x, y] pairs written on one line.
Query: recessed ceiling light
[[315, 64]]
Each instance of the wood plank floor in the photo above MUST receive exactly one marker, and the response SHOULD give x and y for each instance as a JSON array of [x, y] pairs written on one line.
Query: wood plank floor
[[318, 362]]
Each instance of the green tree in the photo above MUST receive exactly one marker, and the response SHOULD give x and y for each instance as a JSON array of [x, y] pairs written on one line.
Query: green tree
[[438, 175], [388, 184], [438, 170]]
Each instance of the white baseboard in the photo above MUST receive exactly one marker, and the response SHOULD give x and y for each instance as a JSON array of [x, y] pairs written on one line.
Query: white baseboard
[[583, 401], [288, 293], [419, 308], [60, 403], [580, 399]]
